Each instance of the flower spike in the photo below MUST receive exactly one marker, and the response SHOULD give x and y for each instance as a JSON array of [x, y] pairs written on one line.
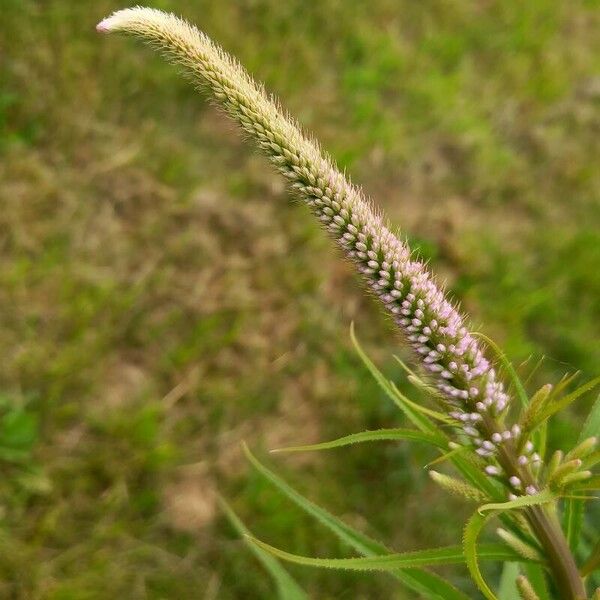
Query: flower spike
[[434, 328]]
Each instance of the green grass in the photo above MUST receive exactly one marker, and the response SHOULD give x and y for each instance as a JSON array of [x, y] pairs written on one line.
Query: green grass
[[163, 300]]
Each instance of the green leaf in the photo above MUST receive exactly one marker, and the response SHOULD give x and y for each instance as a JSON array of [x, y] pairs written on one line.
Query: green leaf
[[534, 369], [562, 385], [542, 497], [422, 385], [409, 371], [429, 585], [419, 420], [537, 578], [516, 381], [593, 562], [472, 530], [359, 541], [563, 402], [591, 460], [287, 588], [508, 582], [476, 524], [592, 423], [589, 484], [472, 473], [450, 555], [447, 456], [375, 372], [370, 436], [434, 414], [572, 521], [541, 438]]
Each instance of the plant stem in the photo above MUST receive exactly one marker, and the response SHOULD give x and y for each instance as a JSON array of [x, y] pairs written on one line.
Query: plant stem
[[547, 530], [564, 569]]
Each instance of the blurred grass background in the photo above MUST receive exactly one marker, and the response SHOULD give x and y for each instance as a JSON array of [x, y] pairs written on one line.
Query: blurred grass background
[[163, 300]]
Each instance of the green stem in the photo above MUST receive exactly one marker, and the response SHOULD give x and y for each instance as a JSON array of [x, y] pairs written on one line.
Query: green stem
[[561, 560], [546, 528]]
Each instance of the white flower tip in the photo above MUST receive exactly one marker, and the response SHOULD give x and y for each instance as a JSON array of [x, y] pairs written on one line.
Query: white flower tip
[[112, 22], [103, 26], [122, 17]]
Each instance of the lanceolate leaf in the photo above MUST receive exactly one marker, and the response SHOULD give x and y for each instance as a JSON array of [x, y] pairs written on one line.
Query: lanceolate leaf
[[371, 436], [574, 507], [429, 585], [359, 541], [470, 472], [375, 372], [508, 582], [287, 587], [418, 419], [593, 562], [537, 578], [592, 423], [533, 370], [572, 521], [562, 403], [541, 438], [542, 497], [474, 527], [589, 484], [448, 456], [422, 385], [409, 371], [562, 385], [591, 460], [434, 414], [476, 524], [450, 555]]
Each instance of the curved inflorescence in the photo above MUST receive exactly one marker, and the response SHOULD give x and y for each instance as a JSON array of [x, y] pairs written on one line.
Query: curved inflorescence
[[466, 381]]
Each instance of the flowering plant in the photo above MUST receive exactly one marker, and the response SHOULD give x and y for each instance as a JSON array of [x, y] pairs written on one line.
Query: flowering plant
[[493, 436]]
